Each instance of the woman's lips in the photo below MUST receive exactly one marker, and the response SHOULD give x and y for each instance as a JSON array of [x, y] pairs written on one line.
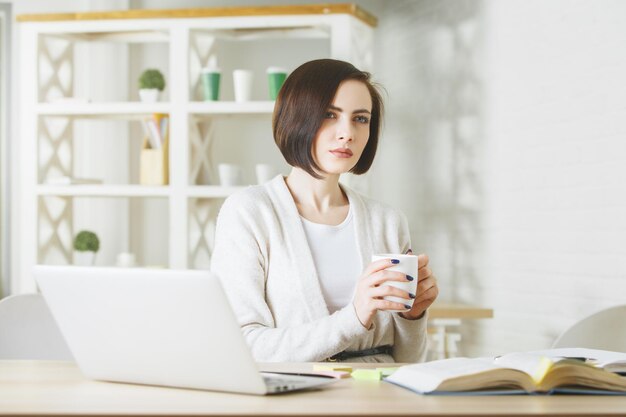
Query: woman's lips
[[342, 153]]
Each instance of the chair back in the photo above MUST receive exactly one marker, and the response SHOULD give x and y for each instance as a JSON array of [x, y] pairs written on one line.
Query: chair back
[[604, 330], [28, 330]]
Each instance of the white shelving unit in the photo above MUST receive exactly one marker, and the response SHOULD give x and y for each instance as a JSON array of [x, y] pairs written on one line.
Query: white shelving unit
[[190, 38]]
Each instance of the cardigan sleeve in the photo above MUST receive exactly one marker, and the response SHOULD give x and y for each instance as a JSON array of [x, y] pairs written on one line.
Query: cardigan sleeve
[[410, 344], [410, 340], [239, 262]]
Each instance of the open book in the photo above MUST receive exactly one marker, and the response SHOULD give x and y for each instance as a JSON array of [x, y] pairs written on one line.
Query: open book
[[514, 373]]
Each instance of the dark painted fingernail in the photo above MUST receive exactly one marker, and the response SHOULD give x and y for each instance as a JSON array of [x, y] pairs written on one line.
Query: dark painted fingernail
[[395, 261], [408, 307], [409, 278], [411, 295]]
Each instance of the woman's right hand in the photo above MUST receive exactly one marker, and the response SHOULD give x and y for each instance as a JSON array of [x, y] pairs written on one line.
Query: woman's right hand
[[368, 298]]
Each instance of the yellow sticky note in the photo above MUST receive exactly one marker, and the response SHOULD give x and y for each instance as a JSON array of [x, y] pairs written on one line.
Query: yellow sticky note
[[332, 368], [386, 371], [367, 374]]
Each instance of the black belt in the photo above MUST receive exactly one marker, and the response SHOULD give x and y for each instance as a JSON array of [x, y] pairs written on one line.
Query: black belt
[[342, 356]]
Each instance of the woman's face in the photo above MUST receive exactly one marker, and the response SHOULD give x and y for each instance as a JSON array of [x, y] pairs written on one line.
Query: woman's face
[[345, 130]]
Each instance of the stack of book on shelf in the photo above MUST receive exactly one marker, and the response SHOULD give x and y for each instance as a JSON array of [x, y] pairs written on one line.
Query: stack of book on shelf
[[556, 371]]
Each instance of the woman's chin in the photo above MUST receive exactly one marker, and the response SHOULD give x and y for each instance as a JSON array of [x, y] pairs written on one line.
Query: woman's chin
[[337, 168], [336, 171]]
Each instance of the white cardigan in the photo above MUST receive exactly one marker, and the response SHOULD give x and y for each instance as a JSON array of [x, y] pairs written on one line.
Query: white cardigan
[[263, 260]]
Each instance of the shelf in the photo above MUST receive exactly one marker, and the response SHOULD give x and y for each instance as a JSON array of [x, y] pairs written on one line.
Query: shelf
[[103, 191], [128, 36], [214, 12], [133, 110], [231, 107], [261, 33], [212, 191], [125, 110], [195, 191]]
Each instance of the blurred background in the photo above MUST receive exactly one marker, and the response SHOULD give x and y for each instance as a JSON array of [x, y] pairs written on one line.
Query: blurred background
[[504, 143]]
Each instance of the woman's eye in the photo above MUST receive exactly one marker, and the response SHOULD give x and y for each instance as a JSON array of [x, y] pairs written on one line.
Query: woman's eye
[[362, 119], [329, 115]]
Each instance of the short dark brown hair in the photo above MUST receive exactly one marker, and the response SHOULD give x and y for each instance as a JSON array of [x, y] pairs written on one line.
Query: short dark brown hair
[[302, 104]]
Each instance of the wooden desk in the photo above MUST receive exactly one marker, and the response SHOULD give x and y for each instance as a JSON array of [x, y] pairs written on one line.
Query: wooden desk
[[441, 316], [458, 311], [58, 388]]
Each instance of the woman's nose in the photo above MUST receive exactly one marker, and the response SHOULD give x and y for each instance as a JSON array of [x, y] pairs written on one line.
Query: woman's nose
[[345, 131]]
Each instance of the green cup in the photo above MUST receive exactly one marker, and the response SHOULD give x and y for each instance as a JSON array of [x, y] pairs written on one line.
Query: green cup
[[211, 84], [275, 77]]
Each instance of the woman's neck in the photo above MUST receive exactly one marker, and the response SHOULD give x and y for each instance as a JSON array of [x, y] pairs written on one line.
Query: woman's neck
[[313, 195]]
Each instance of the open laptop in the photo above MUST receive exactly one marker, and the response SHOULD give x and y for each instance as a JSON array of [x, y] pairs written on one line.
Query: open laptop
[[157, 327]]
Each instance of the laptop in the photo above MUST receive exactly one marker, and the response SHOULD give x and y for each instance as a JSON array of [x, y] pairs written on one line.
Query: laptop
[[157, 327]]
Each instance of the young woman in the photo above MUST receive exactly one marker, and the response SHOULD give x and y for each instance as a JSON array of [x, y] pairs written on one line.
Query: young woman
[[294, 254]]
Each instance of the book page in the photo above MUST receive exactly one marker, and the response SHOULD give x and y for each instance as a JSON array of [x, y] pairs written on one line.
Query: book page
[[596, 357], [616, 366], [429, 376], [536, 366]]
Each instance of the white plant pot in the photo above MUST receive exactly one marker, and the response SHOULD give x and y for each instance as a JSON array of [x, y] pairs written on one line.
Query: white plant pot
[[149, 95], [84, 258]]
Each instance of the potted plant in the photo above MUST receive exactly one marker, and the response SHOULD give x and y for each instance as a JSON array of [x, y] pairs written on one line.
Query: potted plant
[[86, 244], [151, 82]]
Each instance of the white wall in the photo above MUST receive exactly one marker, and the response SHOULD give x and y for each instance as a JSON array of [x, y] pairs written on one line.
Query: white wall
[[433, 154], [555, 103], [513, 111]]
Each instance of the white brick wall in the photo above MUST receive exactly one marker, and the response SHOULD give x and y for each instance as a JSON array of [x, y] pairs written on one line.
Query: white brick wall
[[509, 118]]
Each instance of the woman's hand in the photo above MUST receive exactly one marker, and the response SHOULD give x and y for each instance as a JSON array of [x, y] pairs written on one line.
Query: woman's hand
[[368, 298], [427, 289]]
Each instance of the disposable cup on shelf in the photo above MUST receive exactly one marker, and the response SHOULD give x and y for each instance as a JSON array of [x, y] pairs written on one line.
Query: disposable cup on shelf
[[230, 175], [243, 84], [264, 173], [211, 83], [275, 78]]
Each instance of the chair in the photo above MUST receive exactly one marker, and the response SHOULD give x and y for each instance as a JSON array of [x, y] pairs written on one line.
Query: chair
[[602, 330], [28, 331]]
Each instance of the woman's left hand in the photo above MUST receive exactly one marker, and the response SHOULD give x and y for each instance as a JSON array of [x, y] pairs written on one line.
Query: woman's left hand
[[427, 289]]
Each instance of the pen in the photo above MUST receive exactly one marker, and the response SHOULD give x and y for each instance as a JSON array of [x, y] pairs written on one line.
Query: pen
[[581, 359], [312, 374]]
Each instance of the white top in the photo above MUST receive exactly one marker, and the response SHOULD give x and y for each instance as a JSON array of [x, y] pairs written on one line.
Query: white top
[[263, 259], [336, 259]]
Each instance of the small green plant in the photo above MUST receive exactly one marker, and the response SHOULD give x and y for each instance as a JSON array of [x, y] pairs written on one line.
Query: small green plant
[[86, 241], [152, 78]]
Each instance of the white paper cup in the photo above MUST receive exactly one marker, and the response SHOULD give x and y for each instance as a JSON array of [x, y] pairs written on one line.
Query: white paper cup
[[264, 173], [229, 174], [243, 84], [408, 266], [126, 260]]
